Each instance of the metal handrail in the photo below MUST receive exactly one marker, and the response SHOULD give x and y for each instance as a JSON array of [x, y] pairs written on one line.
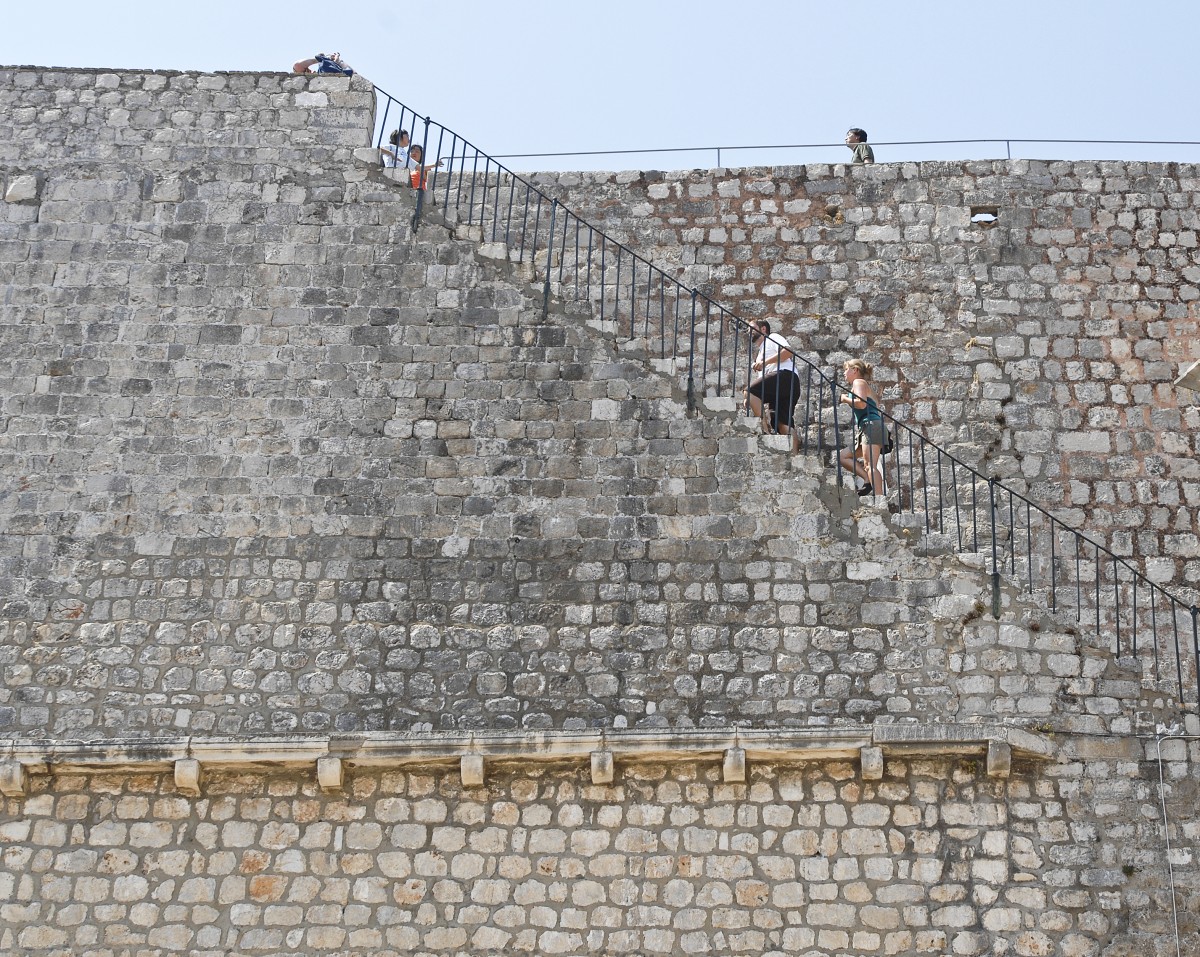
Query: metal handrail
[[506, 208], [1008, 142]]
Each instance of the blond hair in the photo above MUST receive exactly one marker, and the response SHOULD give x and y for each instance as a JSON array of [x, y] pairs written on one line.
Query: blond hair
[[860, 364]]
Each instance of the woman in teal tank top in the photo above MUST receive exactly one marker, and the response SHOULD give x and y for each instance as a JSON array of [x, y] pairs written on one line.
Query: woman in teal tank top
[[863, 458]]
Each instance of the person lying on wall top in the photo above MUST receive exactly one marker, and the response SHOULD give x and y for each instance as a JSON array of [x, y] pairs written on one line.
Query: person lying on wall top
[[416, 155], [397, 156], [331, 64]]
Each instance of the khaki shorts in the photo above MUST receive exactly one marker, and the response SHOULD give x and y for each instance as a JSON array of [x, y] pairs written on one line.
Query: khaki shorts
[[871, 432]]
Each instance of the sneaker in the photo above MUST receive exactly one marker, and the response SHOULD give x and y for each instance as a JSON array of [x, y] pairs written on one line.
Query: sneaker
[[866, 490]]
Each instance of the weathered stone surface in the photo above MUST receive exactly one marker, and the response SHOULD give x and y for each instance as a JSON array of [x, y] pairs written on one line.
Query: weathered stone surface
[[266, 853], [280, 465]]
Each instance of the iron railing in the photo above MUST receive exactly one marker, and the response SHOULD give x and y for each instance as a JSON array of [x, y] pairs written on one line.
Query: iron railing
[[686, 333], [841, 156]]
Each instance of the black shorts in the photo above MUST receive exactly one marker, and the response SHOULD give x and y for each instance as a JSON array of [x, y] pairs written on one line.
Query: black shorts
[[779, 394]]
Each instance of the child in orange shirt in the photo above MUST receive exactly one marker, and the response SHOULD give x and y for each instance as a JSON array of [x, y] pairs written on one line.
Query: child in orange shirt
[[416, 154]]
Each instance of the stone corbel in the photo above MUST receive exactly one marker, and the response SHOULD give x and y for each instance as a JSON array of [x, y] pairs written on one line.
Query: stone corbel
[[14, 779], [603, 767], [187, 776], [871, 761], [999, 759], [330, 774], [733, 768], [471, 768]]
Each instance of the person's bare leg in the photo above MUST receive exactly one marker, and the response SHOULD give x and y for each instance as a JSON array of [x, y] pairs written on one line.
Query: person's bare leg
[[871, 454], [791, 430], [758, 410], [849, 460]]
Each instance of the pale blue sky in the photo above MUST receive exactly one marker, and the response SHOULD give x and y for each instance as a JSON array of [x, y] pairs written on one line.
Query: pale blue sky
[[539, 76]]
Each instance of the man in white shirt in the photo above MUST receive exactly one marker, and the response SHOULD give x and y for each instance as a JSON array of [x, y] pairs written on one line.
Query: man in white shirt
[[772, 393]]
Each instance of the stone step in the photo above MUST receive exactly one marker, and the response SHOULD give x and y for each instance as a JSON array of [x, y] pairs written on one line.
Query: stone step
[[777, 443], [722, 403]]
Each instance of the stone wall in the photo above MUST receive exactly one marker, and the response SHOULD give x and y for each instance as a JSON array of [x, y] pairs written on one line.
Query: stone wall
[[282, 469], [169, 121], [284, 466], [802, 859], [1041, 345]]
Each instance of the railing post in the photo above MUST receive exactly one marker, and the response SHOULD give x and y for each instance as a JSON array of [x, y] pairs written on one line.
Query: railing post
[[549, 259], [1195, 648], [421, 177], [837, 432], [1053, 571], [995, 558], [383, 123], [691, 384]]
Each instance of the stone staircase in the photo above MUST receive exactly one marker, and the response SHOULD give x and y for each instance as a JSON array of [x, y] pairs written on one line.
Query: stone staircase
[[968, 543], [963, 530]]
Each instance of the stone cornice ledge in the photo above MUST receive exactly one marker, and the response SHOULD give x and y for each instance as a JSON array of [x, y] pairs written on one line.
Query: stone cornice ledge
[[901, 739], [473, 751]]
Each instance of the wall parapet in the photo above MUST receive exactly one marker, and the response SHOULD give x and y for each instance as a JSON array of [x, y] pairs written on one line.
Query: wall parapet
[[165, 121]]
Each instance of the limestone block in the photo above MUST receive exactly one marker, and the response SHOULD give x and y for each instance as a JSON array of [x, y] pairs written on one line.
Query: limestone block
[[368, 155], [603, 769], [471, 768], [14, 779], [733, 768], [999, 759], [871, 761], [187, 776], [22, 189], [493, 250], [330, 773]]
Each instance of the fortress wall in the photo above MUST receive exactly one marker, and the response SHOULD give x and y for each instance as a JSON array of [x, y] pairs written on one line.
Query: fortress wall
[[283, 466], [803, 859], [1042, 347]]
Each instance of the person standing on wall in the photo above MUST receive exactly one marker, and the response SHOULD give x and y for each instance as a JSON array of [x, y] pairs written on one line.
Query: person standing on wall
[[856, 139], [772, 395]]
